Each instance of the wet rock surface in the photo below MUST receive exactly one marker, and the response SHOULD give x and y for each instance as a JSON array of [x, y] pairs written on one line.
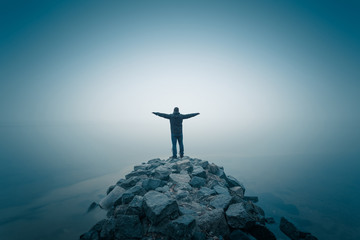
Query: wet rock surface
[[292, 232], [185, 198]]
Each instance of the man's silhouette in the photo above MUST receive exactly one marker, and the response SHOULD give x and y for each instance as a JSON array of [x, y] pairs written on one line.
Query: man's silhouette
[[176, 128]]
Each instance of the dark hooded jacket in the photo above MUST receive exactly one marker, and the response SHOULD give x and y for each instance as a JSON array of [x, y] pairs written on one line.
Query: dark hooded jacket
[[176, 120]]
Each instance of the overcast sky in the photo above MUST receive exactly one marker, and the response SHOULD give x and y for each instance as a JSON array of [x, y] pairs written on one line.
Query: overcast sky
[[270, 76]]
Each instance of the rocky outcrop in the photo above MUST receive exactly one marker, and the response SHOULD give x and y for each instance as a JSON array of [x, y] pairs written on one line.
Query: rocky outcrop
[[292, 232], [184, 198]]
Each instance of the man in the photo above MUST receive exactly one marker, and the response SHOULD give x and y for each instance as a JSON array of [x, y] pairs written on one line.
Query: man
[[176, 128]]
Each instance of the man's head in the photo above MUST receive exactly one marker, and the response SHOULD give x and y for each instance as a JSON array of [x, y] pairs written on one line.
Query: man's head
[[176, 110]]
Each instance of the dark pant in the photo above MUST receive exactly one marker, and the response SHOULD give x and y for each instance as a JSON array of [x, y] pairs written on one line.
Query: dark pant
[[181, 145]]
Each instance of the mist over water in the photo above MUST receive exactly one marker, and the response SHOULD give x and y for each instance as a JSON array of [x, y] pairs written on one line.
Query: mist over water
[[276, 84], [50, 175]]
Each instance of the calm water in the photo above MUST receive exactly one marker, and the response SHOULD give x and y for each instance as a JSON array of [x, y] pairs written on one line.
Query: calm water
[[50, 175]]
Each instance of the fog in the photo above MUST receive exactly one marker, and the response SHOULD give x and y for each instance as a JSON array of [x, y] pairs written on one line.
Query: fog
[[276, 86]]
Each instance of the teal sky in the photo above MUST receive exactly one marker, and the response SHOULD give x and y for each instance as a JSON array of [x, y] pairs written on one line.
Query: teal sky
[[276, 74]]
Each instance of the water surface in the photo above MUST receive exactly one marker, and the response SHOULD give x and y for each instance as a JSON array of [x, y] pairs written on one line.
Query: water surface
[[50, 175]]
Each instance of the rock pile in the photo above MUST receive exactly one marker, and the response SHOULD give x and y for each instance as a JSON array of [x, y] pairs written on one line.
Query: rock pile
[[184, 198]]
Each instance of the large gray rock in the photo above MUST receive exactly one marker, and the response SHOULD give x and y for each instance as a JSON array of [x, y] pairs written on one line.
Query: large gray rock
[[213, 168], [137, 173], [179, 178], [127, 227], [233, 182], [184, 165], [189, 202], [221, 190], [261, 232], [182, 195], [182, 227], [221, 201], [155, 162], [136, 207], [238, 217], [107, 230], [93, 233], [292, 232], [199, 172], [129, 194], [205, 192], [130, 182], [110, 189], [239, 191], [108, 201], [204, 164], [152, 184], [221, 173], [161, 172], [197, 182], [187, 211], [214, 221], [144, 166], [182, 186], [159, 207]]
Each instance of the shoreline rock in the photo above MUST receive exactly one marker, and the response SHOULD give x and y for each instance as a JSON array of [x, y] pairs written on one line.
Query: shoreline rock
[[177, 199]]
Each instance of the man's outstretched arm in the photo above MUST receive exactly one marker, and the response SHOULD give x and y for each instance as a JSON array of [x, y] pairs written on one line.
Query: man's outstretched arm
[[164, 115], [190, 115]]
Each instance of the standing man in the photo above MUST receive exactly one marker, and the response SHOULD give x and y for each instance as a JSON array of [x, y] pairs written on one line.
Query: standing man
[[176, 120]]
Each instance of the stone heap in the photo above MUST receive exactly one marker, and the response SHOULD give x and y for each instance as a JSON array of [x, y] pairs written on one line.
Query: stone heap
[[184, 198]]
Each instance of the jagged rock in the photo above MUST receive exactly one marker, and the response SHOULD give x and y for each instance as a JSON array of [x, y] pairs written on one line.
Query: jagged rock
[[199, 172], [162, 172], [214, 222], [184, 165], [197, 182], [292, 232], [239, 191], [238, 217], [187, 211], [93, 234], [261, 232], [233, 182], [213, 168], [92, 206], [214, 180], [130, 182], [137, 173], [205, 192], [110, 189], [158, 207], [179, 178], [151, 184], [239, 235], [221, 201], [182, 227], [182, 186], [184, 198], [136, 207], [129, 194], [144, 166], [198, 235], [127, 227], [221, 190], [182, 195], [163, 189], [107, 230], [112, 197], [204, 164]]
